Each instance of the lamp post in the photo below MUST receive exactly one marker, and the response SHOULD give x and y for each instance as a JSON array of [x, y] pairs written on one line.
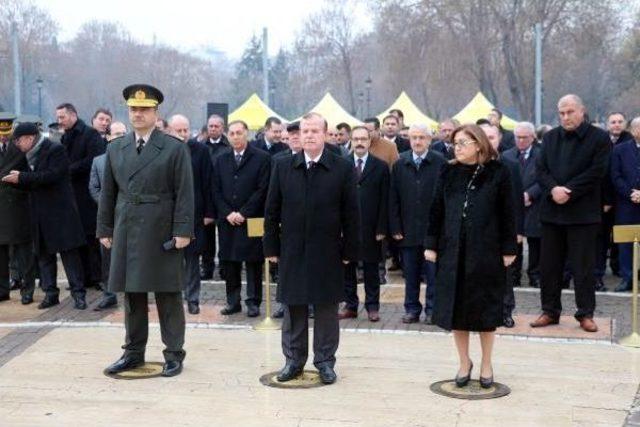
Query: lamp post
[[361, 103], [39, 83], [272, 92], [367, 84]]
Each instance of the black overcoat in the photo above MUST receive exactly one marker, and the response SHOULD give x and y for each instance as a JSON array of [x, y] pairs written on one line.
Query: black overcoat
[[410, 196], [312, 225], [528, 174], [243, 189], [373, 200], [14, 201], [202, 192], [83, 143], [55, 221], [490, 234]]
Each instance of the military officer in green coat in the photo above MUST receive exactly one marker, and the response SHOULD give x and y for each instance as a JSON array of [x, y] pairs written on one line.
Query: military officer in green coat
[[146, 217]]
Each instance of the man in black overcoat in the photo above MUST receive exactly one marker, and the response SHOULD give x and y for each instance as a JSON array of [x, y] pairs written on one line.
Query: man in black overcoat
[[217, 143], [241, 179], [413, 181], [372, 177], [15, 236], [55, 222], [311, 230], [83, 143], [204, 211], [571, 167]]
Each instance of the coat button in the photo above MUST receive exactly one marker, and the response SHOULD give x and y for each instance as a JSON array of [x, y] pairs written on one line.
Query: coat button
[[235, 176], [473, 187]]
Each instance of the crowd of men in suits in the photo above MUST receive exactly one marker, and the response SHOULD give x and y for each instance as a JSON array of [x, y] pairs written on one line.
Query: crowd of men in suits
[[51, 209]]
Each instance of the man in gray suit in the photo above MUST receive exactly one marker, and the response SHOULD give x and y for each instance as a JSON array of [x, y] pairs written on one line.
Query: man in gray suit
[[146, 217], [115, 130]]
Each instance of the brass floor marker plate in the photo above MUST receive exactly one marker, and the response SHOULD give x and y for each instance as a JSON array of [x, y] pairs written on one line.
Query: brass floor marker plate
[[148, 370], [308, 379], [471, 391]]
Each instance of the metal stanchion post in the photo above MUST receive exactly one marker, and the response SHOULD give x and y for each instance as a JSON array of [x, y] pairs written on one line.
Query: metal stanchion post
[[628, 234]]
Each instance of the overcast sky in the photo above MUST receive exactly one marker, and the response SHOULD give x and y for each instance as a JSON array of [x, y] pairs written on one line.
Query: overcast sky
[[226, 25]]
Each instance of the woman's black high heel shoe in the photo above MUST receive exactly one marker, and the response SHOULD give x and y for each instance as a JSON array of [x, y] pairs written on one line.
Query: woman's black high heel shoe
[[463, 381], [486, 382]]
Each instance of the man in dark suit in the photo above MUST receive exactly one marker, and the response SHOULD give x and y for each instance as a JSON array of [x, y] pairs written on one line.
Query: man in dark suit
[[526, 153], [372, 177], [311, 229], [508, 140], [344, 137], [204, 213], [217, 143], [15, 236], [390, 128], [513, 275], [413, 180], [625, 175], [271, 140], [146, 218], [444, 145], [83, 143], [571, 167], [241, 179], [55, 222]]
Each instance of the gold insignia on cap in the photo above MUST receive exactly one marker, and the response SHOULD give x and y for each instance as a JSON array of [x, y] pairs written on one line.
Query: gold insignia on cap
[[140, 94], [5, 127]]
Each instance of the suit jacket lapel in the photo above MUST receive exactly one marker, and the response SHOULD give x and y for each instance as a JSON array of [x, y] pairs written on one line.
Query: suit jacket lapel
[[245, 157], [150, 151]]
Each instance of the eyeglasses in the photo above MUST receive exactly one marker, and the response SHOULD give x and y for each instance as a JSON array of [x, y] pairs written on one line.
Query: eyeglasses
[[363, 139], [463, 143]]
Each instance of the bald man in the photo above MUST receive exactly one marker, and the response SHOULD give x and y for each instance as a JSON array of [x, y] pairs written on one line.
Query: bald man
[[178, 126], [571, 167]]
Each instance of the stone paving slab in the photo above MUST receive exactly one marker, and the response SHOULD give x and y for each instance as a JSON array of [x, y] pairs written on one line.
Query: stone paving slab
[[383, 381]]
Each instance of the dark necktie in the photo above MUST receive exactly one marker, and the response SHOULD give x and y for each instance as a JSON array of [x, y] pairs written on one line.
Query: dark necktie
[[359, 168], [238, 159], [523, 159], [418, 161], [140, 145], [310, 164]]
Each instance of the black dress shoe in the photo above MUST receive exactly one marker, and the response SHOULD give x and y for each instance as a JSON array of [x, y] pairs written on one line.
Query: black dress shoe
[[534, 283], [279, 313], [106, 303], [79, 303], [289, 372], [15, 285], [508, 322], [206, 275], [171, 368], [327, 374], [193, 308], [48, 302], [253, 311], [5, 298], [125, 363], [428, 319], [383, 279], [463, 381], [623, 286], [410, 318], [228, 310], [26, 299], [600, 287]]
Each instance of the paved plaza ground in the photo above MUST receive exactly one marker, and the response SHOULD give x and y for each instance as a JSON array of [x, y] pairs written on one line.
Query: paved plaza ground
[[51, 366]]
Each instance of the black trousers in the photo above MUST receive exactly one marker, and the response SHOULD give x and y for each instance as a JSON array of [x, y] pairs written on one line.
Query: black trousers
[[577, 245], [191, 275], [22, 256], [295, 334], [371, 286], [233, 280], [172, 324], [516, 274], [509, 299], [91, 262], [533, 270], [72, 264], [105, 258], [208, 263]]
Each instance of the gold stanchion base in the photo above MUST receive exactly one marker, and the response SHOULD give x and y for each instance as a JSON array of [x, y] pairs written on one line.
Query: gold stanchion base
[[632, 340], [268, 324]]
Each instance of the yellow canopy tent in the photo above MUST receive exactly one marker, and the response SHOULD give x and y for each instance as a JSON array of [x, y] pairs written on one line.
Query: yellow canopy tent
[[412, 114], [478, 108], [254, 113], [333, 112]]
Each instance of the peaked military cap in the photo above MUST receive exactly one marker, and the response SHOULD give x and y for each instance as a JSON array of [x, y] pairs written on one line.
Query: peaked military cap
[[6, 123], [142, 95]]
